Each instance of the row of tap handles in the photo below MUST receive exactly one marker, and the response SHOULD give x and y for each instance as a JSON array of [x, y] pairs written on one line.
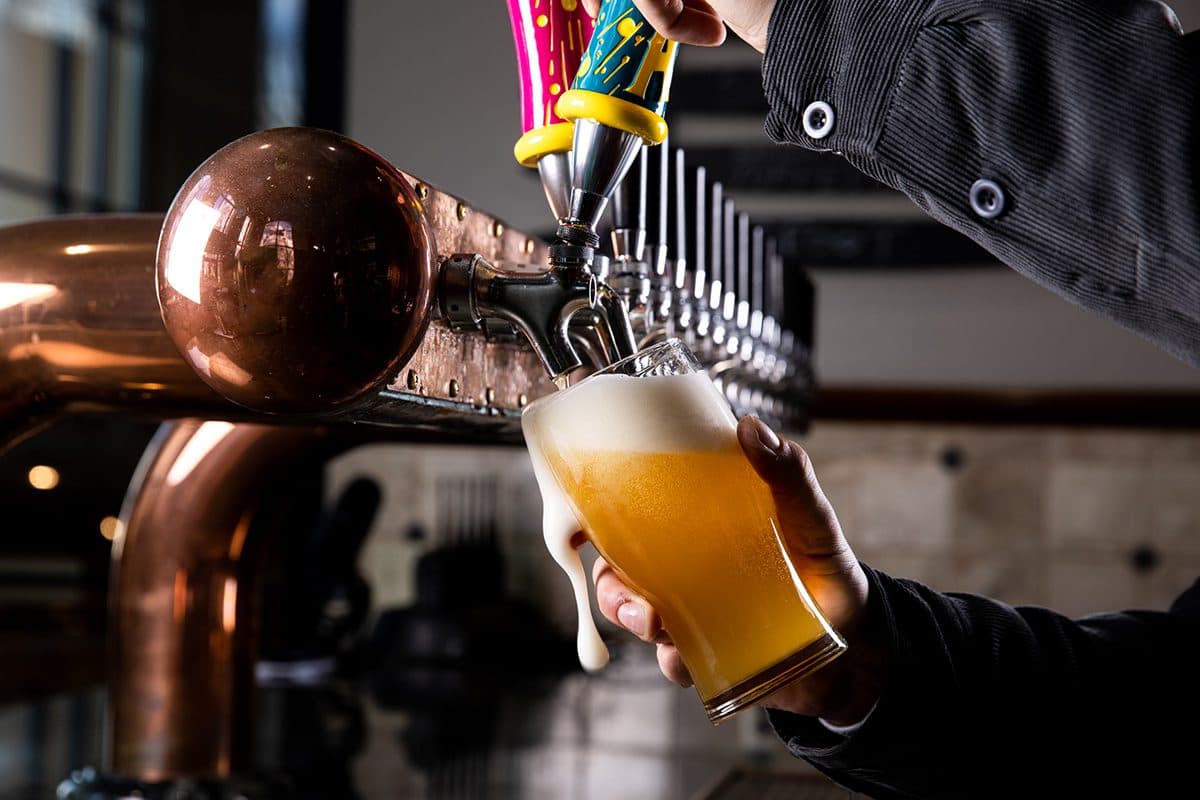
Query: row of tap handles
[[685, 261], [689, 264]]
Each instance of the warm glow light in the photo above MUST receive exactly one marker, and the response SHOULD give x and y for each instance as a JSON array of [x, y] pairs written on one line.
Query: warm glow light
[[14, 294], [229, 605], [43, 477], [206, 437], [110, 527], [78, 249], [185, 260]]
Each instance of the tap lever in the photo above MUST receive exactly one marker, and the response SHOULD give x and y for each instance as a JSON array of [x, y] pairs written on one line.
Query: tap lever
[[677, 234], [538, 304], [743, 271], [658, 173], [757, 268], [629, 213], [729, 265], [716, 252]]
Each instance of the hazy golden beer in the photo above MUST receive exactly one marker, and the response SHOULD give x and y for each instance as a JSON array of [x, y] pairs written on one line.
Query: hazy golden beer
[[647, 456]]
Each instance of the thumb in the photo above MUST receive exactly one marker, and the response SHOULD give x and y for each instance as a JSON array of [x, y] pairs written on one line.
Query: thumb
[[684, 21], [808, 521]]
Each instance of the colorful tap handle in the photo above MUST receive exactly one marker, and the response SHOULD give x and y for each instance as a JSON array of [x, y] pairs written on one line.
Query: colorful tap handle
[[625, 77], [551, 37]]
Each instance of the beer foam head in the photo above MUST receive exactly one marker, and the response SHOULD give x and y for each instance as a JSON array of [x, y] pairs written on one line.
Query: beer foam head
[[656, 414]]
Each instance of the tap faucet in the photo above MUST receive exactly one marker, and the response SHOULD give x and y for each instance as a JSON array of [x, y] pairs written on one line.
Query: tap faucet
[[538, 304]]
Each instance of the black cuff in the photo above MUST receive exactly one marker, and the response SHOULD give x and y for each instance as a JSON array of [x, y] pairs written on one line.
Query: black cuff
[[845, 53]]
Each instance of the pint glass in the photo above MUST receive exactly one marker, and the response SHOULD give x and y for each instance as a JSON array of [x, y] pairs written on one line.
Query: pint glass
[[646, 455]]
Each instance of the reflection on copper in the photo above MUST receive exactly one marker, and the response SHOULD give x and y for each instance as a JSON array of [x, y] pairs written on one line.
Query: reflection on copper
[[199, 445], [185, 262], [79, 324], [12, 294], [184, 595]]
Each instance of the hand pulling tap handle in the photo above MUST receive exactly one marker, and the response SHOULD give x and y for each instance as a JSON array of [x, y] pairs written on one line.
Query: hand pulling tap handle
[[551, 39], [617, 102]]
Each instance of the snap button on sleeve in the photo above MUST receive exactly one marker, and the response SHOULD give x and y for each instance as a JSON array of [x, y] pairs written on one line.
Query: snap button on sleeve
[[818, 119], [987, 199]]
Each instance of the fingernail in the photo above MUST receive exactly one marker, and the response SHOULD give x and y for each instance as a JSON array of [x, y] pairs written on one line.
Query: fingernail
[[767, 437], [632, 618]]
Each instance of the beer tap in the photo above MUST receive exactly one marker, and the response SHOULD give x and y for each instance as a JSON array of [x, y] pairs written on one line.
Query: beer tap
[[616, 102], [629, 275], [709, 326], [677, 282], [658, 232], [691, 262], [757, 279], [550, 40]]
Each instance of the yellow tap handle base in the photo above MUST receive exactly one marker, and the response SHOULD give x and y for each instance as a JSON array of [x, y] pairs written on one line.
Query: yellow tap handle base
[[555, 138], [613, 112]]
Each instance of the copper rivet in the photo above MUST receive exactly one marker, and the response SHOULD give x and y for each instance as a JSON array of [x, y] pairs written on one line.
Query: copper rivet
[[422, 191], [489, 395], [497, 229], [414, 380], [463, 211], [453, 388], [522, 400]]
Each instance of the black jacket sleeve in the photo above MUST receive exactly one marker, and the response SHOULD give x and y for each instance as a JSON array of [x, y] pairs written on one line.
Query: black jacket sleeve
[[1083, 112], [986, 700]]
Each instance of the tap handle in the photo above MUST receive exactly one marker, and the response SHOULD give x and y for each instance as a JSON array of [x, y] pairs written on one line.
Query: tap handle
[[716, 251], [757, 268], [658, 174], [550, 38], [774, 263], [745, 277], [697, 224], [677, 212], [629, 212], [624, 78], [729, 254]]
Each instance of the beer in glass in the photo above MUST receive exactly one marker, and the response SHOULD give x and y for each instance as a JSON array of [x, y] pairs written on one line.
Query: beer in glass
[[645, 453]]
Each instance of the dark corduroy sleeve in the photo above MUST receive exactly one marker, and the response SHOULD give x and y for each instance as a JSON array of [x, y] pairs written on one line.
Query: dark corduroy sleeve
[[1082, 111], [986, 700]]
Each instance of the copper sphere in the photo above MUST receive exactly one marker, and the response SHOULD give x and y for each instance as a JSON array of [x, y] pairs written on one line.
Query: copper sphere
[[295, 271]]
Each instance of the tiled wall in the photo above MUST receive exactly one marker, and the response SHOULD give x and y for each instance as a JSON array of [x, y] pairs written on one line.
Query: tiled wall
[[1041, 516]]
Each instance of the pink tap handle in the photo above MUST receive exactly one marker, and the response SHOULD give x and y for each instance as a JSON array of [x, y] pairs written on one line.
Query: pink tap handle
[[551, 37]]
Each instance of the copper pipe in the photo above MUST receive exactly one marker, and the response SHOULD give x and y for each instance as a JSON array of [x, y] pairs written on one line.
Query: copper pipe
[[80, 327], [184, 596]]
